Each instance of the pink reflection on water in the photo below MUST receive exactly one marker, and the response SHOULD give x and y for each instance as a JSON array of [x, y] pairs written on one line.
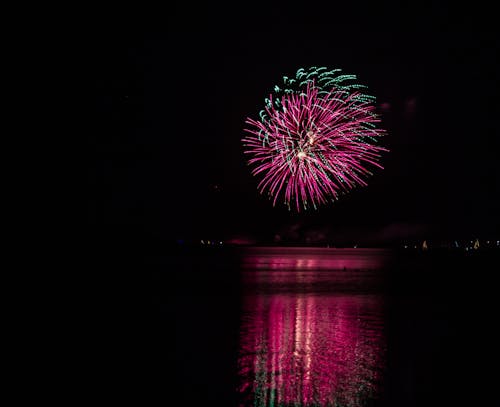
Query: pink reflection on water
[[300, 258], [309, 349]]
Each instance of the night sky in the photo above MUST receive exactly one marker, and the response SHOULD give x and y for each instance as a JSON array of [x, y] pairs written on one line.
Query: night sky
[[174, 90]]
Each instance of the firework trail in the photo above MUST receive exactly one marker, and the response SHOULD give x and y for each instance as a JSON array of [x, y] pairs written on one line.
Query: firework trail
[[315, 140]]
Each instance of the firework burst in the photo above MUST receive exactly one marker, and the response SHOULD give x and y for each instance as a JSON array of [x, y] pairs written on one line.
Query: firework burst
[[315, 140]]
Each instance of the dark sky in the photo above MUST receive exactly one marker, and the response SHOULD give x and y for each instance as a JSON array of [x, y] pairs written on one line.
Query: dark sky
[[174, 90]]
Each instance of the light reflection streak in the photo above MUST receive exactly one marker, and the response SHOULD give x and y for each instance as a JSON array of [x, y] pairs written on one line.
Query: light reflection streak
[[306, 348]]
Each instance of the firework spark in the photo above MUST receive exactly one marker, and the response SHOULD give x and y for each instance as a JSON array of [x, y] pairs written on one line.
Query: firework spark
[[315, 139]]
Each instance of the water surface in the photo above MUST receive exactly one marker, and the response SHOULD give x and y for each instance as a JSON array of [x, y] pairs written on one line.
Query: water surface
[[327, 327], [312, 330]]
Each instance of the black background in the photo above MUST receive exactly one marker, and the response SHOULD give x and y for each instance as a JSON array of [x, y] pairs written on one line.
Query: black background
[[175, 86]]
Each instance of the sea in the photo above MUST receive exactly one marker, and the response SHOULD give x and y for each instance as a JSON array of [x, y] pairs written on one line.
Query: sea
[[310, 326]]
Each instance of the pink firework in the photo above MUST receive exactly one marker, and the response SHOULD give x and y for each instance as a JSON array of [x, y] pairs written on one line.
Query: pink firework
[[313, 145]]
